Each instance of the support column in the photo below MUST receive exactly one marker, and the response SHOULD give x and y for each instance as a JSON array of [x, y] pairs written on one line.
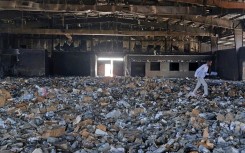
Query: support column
[[93, 65], [129, 44], [238, 33], [165, 46], [1, 41], [214, 43], [187, 47], [92, 44], [199, 47], [171, 45], [181, 46]]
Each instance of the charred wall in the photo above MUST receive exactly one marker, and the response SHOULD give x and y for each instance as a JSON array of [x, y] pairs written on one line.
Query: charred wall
[[241, 56], [71, 63], [32, 63], [230, 64], [227, 64]]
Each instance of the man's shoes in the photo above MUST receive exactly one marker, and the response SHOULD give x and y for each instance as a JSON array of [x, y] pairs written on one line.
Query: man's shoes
[[191, 94], [204, 95]]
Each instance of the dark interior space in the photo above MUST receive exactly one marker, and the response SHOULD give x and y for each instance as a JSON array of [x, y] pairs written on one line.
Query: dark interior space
[[138, 69], [83, 45], [150, 49], [187, 48]]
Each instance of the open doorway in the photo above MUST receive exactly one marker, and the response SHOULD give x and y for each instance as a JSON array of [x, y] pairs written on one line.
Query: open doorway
[[110, 67], [108, 70]]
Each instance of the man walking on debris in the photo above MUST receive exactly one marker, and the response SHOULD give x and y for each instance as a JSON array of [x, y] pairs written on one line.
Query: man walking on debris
[[200, 74]]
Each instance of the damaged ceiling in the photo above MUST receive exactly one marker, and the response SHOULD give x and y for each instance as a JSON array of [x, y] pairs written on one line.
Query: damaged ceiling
[[178, 19]]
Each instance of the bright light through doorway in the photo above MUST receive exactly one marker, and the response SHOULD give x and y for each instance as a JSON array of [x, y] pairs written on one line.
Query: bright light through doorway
[[108, 70], [108, 59], [109, 67]]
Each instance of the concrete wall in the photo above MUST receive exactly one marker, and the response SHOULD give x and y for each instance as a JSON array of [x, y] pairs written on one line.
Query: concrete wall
[[165, 70], [165, 60]]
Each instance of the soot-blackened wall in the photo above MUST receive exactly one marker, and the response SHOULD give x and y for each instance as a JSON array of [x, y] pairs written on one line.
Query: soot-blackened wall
[[241, 56], [71, 63], [32, 63], [227, 64]]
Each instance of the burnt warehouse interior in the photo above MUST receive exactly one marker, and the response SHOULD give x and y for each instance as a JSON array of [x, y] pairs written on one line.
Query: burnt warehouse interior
[[115, 76], [171, 37]]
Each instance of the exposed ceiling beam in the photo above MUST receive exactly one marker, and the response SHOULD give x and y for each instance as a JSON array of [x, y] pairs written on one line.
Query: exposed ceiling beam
[[189, 29], [149, 10], [221, 15], [92, 20], [237, 16], [215, 22], [98, 32], [218, 3], [117, 22]]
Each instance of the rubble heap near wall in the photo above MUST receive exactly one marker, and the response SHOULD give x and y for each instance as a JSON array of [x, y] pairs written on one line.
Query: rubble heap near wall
[[123, 114]]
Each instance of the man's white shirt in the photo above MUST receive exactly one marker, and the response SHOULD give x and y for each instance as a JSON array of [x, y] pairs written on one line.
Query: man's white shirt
[[201, 71]]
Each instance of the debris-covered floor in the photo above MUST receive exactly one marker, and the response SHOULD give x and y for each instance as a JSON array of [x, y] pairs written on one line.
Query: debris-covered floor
[[117, 115]]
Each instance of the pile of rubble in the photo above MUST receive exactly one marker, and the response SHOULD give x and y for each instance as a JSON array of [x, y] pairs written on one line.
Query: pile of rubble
[[117, 115]]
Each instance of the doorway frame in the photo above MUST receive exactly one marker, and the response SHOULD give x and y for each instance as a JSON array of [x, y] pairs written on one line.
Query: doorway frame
[[111, 59]]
